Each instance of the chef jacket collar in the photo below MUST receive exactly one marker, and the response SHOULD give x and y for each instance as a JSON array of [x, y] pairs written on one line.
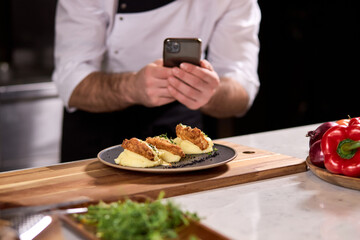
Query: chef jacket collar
[[133, 6]]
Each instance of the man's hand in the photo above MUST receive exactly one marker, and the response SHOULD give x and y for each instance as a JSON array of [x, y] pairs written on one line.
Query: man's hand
[[107, 92], [150, 85], [192, 85]]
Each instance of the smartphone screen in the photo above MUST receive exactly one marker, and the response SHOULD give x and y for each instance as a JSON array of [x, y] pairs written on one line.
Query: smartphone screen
[[179, 50]]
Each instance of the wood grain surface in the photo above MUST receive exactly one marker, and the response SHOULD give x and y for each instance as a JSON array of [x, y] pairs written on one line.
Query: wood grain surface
[[93, 180], [336, 179]]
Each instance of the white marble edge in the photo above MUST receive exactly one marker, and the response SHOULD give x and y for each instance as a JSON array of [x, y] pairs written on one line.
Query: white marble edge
[[297, 206]]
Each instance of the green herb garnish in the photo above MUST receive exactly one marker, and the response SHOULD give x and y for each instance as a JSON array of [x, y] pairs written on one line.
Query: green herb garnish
[[165, 136], [132, 220]]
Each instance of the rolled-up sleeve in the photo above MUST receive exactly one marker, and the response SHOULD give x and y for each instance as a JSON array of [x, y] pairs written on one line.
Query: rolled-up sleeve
[[234, 46], [80, 35]]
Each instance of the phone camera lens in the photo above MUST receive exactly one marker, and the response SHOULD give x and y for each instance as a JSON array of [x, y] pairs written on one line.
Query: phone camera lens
[[168, 46], [176, 47], [172, 47]]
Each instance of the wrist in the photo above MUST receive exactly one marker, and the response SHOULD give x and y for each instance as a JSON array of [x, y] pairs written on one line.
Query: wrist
[[126, 89]]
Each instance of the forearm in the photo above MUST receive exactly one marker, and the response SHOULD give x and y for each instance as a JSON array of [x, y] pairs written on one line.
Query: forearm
[[230, 99], [103, 92]]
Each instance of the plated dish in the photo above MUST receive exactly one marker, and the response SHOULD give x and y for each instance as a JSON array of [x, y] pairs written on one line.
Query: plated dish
[[222, 155], [340, 180]]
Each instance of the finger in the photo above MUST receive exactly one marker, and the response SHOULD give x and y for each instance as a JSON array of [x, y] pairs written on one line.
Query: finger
[[163, 96], [157, 83], [156, 69], [158, 62], [189, 79], [185, 100], [184, 88], [155, 92], [205, 64], [200, 72], [165, 100], [164, 93], [159, 97], [159, 71]]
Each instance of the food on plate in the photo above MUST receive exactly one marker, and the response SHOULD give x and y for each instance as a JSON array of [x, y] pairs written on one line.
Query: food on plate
[[192, 140], [170, 152], [340, 145], [138, 153], [128, 219], [161, 150]]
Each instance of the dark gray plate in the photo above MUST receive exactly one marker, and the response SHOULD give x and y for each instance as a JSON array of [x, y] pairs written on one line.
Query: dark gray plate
[[222, 155]]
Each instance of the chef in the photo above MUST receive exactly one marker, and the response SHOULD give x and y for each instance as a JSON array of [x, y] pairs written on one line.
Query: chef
[[110, 76]]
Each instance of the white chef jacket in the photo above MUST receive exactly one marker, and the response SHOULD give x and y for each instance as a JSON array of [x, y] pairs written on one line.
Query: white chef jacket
[[91, 36]]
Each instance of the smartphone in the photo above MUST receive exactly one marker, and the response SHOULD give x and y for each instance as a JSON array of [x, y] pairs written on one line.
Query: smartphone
[[179, 50]]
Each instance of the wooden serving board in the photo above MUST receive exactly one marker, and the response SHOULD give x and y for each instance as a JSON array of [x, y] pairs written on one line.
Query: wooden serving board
[[97, 181]]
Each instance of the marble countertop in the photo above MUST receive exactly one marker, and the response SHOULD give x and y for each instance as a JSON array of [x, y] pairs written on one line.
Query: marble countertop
[[297, 206]]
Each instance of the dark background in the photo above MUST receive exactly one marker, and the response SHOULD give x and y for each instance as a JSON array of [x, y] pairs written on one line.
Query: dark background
[[307, 63]]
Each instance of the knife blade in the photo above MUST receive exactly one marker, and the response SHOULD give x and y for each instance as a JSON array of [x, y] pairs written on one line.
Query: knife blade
[[28, 226], [28, 210]]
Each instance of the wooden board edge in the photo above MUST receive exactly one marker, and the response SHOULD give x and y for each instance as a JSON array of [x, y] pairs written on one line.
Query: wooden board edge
[[213, 184], [339, 180]]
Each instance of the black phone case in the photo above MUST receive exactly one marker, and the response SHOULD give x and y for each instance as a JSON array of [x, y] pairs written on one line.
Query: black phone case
[[190, 52]]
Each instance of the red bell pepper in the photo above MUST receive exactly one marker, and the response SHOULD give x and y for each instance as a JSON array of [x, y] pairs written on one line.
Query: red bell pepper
[[346, 121], [340, 145], [354, 121]]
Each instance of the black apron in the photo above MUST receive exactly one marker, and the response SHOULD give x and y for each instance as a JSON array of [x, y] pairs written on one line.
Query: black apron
[[85, 134]]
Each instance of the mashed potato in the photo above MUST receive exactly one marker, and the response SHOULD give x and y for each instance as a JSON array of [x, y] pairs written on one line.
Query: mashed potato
[[168, 156], [190, 148], [132, 159]]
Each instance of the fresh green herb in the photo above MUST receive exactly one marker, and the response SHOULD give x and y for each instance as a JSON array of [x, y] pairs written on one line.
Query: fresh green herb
[[214, 150], [132, 220], [165, 136], [152, 147]]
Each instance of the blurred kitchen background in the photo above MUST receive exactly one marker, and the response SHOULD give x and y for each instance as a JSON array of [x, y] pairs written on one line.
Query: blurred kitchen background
[[308, 64]]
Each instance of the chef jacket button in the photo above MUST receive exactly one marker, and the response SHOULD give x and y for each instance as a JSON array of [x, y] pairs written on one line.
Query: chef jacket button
[[116, 51], [123, 6], [121, 18]]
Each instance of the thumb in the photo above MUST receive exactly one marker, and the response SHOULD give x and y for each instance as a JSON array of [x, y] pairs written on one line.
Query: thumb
[[158, 62], [205, 64]]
